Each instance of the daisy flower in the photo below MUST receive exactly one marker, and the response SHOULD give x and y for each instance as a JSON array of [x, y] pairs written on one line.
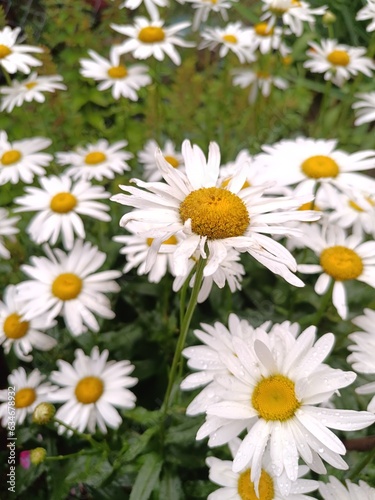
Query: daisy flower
[[231, 38], [341, 258], [148, 38], [96, 161], [274, 385], [8, 229], [207, 214], [266, 38], [15, 57], [22, 335], [336, 490], [339, 62], [124, 81], [29, 90], [356, 211], [258, 80], [364, 108], [92, 388], [367, 13], [65, 284], [30, 390], [362, 357], [59, 204], [21, 160], [151, 6], [236, 486], [147, 158], [203, 8]]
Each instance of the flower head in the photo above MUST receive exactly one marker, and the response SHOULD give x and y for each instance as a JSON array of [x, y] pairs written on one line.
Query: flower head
[[8, 229], [14, 57], [367, 13], [147, 158], [257, 80], [334, 489], [364, 108], [204, 7]]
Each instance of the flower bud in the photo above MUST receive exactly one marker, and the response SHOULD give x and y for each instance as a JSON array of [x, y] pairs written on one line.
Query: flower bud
[[38, 455], [43, 413], [329, 18]]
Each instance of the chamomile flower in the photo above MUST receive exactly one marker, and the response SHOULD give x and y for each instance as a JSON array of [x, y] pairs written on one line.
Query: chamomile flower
[[148, 38], [367, 13], [65, 284], [59, 204], [14, 57], [124, 81], [91, 390], [7, 229], [362, 357], [258, 80], [147, 158], [338, 62], [233, 38], [22, 335], [266, 38], [29, 90], [334, 490], [151, 6], [341, 258], [207, 213], [364, 108], [30, 390], [356, 210], [21, 160], [96, 161], [203, 8]]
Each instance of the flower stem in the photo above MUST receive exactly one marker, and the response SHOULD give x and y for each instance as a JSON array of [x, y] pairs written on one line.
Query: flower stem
[[362, 464], [82, 435], [326, 299]]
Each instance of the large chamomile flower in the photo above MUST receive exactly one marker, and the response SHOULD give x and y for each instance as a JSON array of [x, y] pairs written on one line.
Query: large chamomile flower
[[147, 158], [65, 284], [59, 204], [124, 81], [21, 160], [335, 490], [258, 80], [364, 108], [266, 38], [341, 258], [212, 216], [148, 38], [367, 13], [271, 391], [92, 389], [14, 57], [22, 335], [355, 210], [338, 62], [7, 229], [96, 161], [232, 38]]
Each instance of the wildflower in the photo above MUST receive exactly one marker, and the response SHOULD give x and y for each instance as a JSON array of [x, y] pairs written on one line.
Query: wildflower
[[356, 210], [14, 57], [38, 455], [364, 108], [367, 13], [335, 489], [25, 459], [266, 38], [203, 8], [8, 229], [151, 6], [258, 80], [147, 158], [43, 413]]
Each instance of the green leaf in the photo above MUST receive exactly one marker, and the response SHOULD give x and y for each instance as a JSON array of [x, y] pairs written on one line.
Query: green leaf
[[147, 478], [170, 487], [140, 444], [89, 469]]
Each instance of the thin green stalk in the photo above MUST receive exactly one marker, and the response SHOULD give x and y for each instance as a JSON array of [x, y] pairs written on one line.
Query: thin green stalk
[[82, 435], [362, 464], [66, 457], [326, 300], [7, 77]]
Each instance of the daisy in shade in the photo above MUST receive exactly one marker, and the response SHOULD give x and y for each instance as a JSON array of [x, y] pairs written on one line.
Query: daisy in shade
[[125, 81], [355, 210], [92, 389], [21, 160], [65, 284], [362, 357], [96, 161], [367, 13], [341, 258], [271, 392], [149, 38], [22, 335], [209, 214], [147, 158], [30, 390], [337, 61], [257, 80], [236, 486], [203, 8], [266, 38], [151, 6], [232, 38], [8, 229], [334, 490], [364, 108], [14, 57], [59, 204], [29, 90]]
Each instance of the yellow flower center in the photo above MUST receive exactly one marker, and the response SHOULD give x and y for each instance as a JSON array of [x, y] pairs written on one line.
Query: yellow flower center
[[341, 263], [117, 71], [310, 206], [67, 286], [274, 398], [4, 51], [338, 58], [172, 161], [263, 74], [14, 328], [170, 241], [354, 206], [287, 60], [245, 487], [215, 212], [25, 397], [63, 203], [262, 29], [230, 39], [225, 183], [88, 390], [95, 157], [10, 157], [320, 166], [30, 85], [151, 34]]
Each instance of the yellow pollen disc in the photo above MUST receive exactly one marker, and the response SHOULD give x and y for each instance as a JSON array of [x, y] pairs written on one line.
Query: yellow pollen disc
[[263, 74], [172, 161], [320, 166], [215, 212], [95, 157], [4, 51], [355, 207], [63, 203], [274, 398], [10, 157], [339, 58], [117, 71], [225, 183], [14, 328], [30, 85], [151, 34], [341, 263], [287, 60], [24, 397], [278, 11], [88, 390], [262, 29], [310, 206], [230, 38], [170, 241], [245, 486], [213, 1], [67, 286]]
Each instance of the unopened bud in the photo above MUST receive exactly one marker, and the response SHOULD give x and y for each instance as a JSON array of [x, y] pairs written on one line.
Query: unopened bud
[[43, 413], [329, 18], [38, 455]]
